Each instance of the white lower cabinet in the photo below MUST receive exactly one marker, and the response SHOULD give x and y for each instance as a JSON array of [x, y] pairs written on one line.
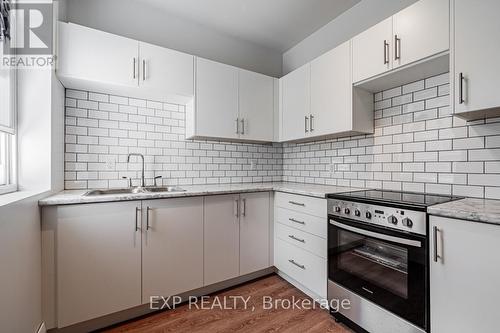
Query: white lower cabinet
[[464, 276], [172, 227], [221, 238], [254, 232], [236, 237], [300, 245], [98, 260]]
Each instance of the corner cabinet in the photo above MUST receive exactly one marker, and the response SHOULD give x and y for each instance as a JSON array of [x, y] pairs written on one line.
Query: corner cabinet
[[318, 99], [476, 52], [464, 276], [90, 59], [231, 103]]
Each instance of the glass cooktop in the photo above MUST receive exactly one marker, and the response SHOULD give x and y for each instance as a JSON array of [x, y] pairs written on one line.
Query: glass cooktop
[[394, 197]]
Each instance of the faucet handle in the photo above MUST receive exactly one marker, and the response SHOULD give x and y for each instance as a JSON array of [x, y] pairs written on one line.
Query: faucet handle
[[156, 178], [129, 180]]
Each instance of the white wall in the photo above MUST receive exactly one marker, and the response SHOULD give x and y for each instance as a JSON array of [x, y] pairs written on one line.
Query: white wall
[[355, 20], [131, 19]]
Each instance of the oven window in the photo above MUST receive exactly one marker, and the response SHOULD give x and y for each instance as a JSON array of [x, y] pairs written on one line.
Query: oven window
[[377, 262]]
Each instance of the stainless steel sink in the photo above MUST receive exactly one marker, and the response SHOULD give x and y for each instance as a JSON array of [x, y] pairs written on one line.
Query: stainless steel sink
[[114, 191], [134, 190], [163, 189]]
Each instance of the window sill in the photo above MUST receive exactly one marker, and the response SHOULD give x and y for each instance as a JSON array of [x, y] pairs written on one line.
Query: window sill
[[10, 198]]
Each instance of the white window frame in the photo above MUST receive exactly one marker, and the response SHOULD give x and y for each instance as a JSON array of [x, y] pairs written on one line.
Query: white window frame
[[11, 138]]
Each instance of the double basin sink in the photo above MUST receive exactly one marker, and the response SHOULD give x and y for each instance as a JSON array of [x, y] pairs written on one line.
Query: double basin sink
[[134, 190]]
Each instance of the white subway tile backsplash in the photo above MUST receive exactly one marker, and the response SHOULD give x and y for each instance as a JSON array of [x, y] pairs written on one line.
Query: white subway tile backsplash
[[439, 153]]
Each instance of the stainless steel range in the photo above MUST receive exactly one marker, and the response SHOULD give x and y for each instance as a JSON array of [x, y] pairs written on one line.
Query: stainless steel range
[[378, 258]]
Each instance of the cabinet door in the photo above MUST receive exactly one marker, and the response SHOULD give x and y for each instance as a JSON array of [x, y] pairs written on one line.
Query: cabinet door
[[372, 51], [172, 227], [296, 99], [98, 260], [216, 99], [97, 56], [165, 70], [464, 280], [221, 238], [331, 92], [254, 232], [421, 30], [477, 51], [256, 106]]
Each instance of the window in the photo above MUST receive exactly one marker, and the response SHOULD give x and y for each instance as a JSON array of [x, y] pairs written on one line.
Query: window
[[8, 178]]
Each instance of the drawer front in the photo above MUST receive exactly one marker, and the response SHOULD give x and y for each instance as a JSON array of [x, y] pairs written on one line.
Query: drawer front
[[301, 203], [315, 225], [302, 266], [314, 244]]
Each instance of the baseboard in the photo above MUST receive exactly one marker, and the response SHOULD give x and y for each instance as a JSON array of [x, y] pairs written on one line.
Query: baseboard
[[317, 298]]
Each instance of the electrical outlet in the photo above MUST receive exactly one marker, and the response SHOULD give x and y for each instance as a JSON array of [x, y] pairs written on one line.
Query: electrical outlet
[[111, 163], [332, 168], [253, 164]]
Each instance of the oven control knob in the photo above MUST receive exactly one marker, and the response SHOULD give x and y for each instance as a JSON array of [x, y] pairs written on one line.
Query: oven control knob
[[368, 215], [347, 211], [407, 222], [392, 219], [357, 213], [337, 209]]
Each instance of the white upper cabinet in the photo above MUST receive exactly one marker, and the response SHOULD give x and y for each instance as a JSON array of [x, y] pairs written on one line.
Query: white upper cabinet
[[372, 51], [412, 35], [256, 106], [90, 59], [477, 50], [98, 57], [166, 70], [296, 103], [420, 31], [331, 92], [216, 107]]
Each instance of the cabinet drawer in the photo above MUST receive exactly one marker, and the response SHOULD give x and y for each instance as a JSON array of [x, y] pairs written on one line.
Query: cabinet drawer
[[304, 240], [301, 203], [302, 266], [315, 225]]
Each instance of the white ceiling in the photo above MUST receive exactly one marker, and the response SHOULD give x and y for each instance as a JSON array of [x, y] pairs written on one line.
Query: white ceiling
[[275, 24]]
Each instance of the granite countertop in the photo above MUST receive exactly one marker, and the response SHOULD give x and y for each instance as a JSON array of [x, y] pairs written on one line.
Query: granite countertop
[[476, 210], [77, 196]]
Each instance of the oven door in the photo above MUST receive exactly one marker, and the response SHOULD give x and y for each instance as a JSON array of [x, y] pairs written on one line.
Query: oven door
[[384, 266]]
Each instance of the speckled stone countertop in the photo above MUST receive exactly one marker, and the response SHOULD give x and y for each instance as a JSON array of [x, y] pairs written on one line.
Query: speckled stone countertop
[[476, 210], [77, 196]]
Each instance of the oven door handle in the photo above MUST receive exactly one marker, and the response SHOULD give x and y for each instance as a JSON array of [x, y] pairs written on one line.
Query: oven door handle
[[377, 235]]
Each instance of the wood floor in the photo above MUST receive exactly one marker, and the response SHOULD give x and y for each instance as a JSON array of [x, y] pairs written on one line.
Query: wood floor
[[255, 318]]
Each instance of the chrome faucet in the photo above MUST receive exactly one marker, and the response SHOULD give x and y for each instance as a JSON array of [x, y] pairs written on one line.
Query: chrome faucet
[[143, 180]]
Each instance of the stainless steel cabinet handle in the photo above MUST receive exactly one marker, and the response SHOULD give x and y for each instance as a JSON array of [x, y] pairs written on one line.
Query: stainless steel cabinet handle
[[296, 221], [236, 207], [244, 209], [397, 47], [311, 122], [134, 64], [435, 235], [237, 125], [296, 264], [143, 69], [242, 126], [137, 211], [306, 120], [296, 239], [386, 52], [148, 209], [296, 203], [461, 88]]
